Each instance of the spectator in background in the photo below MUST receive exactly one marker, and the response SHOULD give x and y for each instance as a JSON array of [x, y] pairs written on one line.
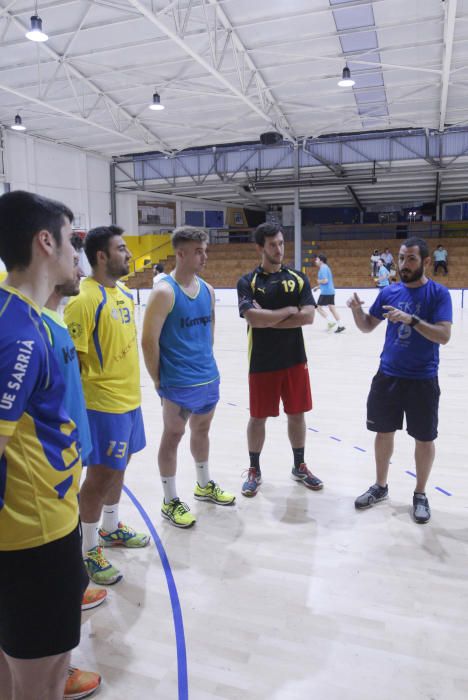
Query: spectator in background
[[326, 299], [440, 259], [382, 274], [374, 259], [387, 257], [159, 274]]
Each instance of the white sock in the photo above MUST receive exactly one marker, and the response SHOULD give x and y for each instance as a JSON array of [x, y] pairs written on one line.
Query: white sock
[[169, 486], [203, 473], [90, 536], [110, 517]]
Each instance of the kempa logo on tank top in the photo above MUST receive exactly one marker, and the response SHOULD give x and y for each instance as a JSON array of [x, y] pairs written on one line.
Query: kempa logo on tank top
[[200, 321]]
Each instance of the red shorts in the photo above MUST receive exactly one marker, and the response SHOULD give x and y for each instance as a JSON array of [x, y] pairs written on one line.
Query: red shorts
[[291, 385]]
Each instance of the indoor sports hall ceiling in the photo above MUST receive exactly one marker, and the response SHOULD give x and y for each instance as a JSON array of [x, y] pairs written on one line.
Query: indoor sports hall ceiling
[[228, 70]]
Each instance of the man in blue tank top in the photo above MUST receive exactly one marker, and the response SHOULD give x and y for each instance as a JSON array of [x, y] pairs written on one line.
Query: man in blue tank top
[[419, 315], [177, 343]]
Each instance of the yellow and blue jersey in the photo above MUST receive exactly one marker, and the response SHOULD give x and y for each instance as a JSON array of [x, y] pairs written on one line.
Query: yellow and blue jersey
[[67, 359], [40, 468], [101, 322]]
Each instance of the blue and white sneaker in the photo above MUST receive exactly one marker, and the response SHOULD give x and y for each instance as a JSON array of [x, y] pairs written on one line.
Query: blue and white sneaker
[[252, 483]]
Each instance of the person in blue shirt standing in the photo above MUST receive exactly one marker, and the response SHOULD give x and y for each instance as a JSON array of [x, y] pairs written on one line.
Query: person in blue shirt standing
[[327, 293], [383, 274], [419, 316], [177, 342]]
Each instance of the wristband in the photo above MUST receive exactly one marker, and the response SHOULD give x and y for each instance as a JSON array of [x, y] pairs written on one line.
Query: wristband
[[414, 320]]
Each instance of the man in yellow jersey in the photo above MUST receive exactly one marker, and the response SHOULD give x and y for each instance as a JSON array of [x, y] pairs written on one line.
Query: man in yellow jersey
[[42, 577], [101, 323], [177, 345]]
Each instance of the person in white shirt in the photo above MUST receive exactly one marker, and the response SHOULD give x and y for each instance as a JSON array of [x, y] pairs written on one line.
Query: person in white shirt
[[159, 274]]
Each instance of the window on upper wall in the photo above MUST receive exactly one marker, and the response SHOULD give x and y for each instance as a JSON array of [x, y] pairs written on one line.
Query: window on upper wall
[[194, 218], [214, 219]]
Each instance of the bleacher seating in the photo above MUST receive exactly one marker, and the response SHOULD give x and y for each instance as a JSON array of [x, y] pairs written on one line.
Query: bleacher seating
[[349, 260]]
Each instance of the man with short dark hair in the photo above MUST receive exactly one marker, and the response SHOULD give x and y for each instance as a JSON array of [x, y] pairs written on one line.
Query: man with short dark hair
[[42, 577], [419, 315], [101, 322], [326, 299], [276, 301], [177, 342]]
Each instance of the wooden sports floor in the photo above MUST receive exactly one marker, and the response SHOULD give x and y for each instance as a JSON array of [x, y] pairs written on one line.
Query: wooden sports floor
[[294, 595]]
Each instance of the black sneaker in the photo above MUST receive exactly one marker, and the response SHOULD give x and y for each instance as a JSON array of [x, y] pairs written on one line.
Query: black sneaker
[[421, 509], [340, 329], [373, 495]]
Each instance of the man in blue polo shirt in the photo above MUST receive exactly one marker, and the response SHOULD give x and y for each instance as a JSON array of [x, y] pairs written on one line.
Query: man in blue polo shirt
[[419, 315]]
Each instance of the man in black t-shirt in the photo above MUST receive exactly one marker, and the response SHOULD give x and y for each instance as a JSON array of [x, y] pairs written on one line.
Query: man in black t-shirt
[[276, 302]]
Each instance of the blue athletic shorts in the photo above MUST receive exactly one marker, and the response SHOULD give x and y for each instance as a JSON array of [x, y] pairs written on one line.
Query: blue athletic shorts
[[196, 399], [115, 436], [391, 398]]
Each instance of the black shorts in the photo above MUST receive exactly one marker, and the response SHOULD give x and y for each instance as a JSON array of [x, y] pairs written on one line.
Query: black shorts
[[392, 397], [326, 300], [40, 598]]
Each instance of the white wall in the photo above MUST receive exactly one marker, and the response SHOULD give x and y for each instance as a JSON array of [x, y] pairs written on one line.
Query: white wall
[[76, 178], [127, 212]]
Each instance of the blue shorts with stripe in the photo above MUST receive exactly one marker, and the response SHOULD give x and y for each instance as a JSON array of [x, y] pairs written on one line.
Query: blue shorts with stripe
[[196, 399], [115, 436]]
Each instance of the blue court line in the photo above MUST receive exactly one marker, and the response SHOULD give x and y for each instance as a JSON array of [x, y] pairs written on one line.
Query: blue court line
[[175, 602], [361, 449], [447, 493]]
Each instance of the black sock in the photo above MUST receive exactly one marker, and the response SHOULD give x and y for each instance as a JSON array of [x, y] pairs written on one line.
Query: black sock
[[254, 460], [298, 453]]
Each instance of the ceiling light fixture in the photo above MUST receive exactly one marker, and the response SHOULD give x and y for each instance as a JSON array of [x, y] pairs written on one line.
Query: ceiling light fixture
[[346, 79], [18, 125], [36, 33], [156, 103]]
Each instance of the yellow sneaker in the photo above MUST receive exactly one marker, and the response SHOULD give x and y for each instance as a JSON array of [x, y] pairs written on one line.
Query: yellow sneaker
[[213, 492], [178, 513], [124, 536]]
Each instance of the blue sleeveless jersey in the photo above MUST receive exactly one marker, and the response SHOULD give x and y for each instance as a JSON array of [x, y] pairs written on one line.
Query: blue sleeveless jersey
[[186, 351]]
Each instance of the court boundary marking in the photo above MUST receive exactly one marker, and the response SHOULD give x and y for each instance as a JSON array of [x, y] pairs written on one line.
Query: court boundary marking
[[181, 648]]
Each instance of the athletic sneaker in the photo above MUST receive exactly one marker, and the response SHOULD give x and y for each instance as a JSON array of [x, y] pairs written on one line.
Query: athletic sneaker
[[80, 684], [178, 513], [213, 492], [340, 329], [374, 494], [421, 509], [99, 569], [124, 536], [301, 473], [331, 324], [252, 483], [93, 597]]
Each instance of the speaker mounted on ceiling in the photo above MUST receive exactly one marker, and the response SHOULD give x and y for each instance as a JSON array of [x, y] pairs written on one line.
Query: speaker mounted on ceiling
[[270, 138]]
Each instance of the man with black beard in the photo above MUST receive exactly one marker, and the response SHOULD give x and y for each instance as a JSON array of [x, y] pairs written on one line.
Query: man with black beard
[[419, 315]]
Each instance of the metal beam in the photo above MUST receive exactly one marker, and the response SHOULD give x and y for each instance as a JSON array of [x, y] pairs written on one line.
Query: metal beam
[[94, 88], [184, 46], [248, 62], [450, 9], [358, 202]]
